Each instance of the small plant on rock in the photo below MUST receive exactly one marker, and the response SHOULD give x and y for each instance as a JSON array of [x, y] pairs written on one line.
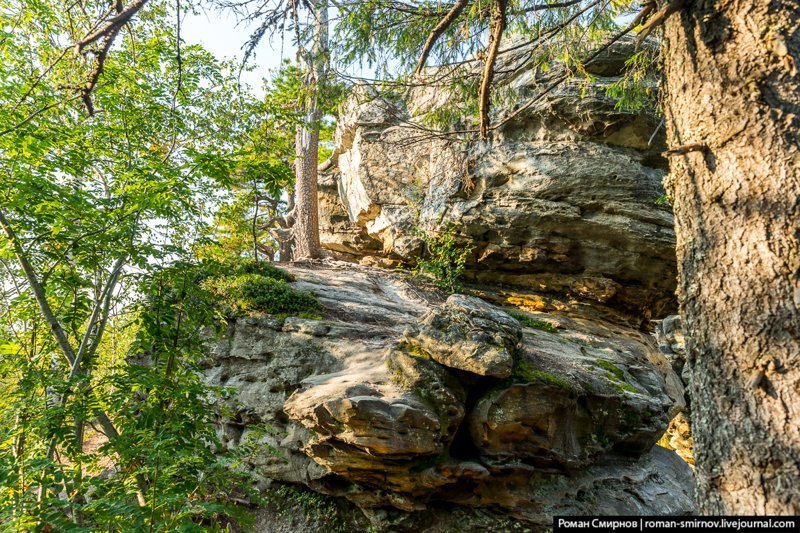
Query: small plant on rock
[[445, 259]]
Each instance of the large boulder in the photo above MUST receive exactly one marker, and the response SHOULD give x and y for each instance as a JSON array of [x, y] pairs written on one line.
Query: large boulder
[[563, 197], [468, 334], [577, 392], [391, 402], [540, 392]]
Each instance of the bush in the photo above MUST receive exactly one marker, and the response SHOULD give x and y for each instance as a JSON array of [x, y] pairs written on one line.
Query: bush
[[446, 259], [310, 511], [261, 268], [240, 288], [251, 292]]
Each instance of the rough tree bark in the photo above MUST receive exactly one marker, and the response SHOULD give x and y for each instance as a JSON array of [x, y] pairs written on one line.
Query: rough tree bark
[[284, 237], [306, 227], [733, 112]]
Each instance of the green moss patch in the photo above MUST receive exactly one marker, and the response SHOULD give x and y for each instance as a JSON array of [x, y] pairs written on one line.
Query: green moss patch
[[631, 418], [261, 268], [396, 374], [616, 376], [626, 387], [601, 439], [611, 367], [257, 287], [525, 372], [412, 348], [529, 322]]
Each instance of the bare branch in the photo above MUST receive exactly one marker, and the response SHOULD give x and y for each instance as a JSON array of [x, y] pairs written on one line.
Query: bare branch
[[440, 28], [98, 318], [658, 18], [542, 7], [36, 114], [498, 26], [686, 148], [99, 64], [124, 14], [588, 60]]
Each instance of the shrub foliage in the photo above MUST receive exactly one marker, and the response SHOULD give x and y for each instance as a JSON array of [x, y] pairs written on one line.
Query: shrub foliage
[[445, 259]]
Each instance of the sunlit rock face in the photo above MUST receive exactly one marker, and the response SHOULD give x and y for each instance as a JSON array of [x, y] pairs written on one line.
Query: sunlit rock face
[[540, 392], [403, 400], [562, 198]]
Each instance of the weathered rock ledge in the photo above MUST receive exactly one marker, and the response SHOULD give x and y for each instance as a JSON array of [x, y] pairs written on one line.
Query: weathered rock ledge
[[563, 198], [401, 400]]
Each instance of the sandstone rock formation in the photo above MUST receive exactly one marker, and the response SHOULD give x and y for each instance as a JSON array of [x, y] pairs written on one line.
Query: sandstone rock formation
[[540, 392], [551, 413], [467, 334], [562, 198], [669, 336]]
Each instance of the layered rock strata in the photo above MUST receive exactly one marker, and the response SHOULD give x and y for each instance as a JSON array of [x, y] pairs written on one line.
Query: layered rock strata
[[403, 399], [566, 197]]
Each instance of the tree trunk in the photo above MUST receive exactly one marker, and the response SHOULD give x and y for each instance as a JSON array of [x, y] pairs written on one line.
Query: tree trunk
[[733, 113], [306, 226], [284, 236], [495, 36]]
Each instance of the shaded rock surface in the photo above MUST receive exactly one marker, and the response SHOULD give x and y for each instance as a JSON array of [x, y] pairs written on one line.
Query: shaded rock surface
[[468, 334], [562, 198], [669, 336], [356, 406]]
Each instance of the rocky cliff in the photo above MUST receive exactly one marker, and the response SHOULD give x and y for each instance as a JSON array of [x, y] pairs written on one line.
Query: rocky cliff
[[540, 392], [563, 198], [402, 401]]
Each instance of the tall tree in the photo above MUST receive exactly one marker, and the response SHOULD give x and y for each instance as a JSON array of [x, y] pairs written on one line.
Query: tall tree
[[306, 23], [106, 163], [251, 211], [733, 116], [306, 226]]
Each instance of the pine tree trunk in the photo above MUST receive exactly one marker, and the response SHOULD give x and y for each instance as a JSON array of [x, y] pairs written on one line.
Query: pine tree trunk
[[306, 226], [733, 111]]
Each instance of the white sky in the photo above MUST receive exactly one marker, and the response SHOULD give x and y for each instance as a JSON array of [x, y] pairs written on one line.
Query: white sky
[[219, 33]]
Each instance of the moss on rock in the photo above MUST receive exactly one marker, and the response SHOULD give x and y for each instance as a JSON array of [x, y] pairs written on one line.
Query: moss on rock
[[616, 376], [529, 322], [412, 348], [258, 287], [525, 372]]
